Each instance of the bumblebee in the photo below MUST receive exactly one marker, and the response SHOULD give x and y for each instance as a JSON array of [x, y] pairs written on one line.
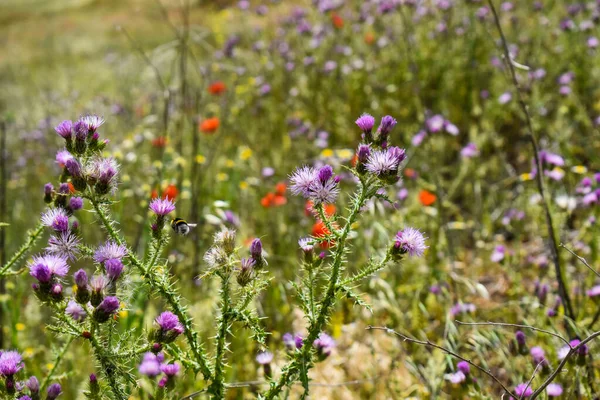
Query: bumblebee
[[181, 227]]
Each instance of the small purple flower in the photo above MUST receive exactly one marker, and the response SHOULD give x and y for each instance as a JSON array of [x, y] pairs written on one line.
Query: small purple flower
[[44, 267], [264, 357], [505, 98], [554, 390], [323, 189], [168, 322], [57, 219], [594, 291], [435, 124], [593, 42], [62, 157], [308, 244], [98, 283], [324, 344], [54, 391], [170, 370], [65, 129], [366, 122], [10, 363], [64, 244], [74, 167], [109, 250], [329, 66], [81, 278], [469, 151], [520, 338], [302, 180], [464, 367], [33, 384], [92, 122], [462, 308], [162, 207], [411, 241], [363, 152], [498, 254], [538, 355], [114, 268], [150, 366], [523, 390], [75, 311], [451, 128], [583, 350], [387, 124], [419, 137], [386, 162], [456, 378], [76, 203], [106, 308], [293, 341]]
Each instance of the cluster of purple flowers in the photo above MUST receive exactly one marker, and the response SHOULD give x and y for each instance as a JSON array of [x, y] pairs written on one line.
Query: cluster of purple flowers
[[11, 363], [168, 328], [320, 186], [153, 364], [323, 344]]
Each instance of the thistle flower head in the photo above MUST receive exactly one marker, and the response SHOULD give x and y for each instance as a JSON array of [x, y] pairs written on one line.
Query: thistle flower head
[[302, 180], [114, 268], [170, 370], [162, 207], [74, 167], [106, 308], [523, 390], [323, 189], [435, 123], [75, 311], [44, 267], [10, 363], [62, 157], [65, 129], [363, 152], [98, 283], [91, 122], [463, 367], [64, 244], [386, 125], [226, 240], [81, 278], [33, 384], [150, 366], [264, 357], [307, 244], [54, 391], [215, 257], [48, 188], [324, 344], [109, 250], [169, 322], [385, 162], [246, 271], [57, 219], [365, 122], [554, 390], [76, 203], [411, 241]]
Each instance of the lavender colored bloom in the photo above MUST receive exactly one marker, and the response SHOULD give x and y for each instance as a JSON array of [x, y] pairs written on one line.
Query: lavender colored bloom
[[41, 266], [520, 337], [33, 384], [505, 98], [470, 150], [594, 291], [106, 308], [323, 189], [57, 219], [307, 244], [75, 311], [64, 244], [456, 378], [76, 203], [583, 350], [169, 322], [63, 188], [566, 78], [523, 390], [386, 125], [565, 90], [538, 355], [324, 344], [264, 89], [264, 357], [302, 180], [292, 341], [48, 188], [109, 250], [170, 370], [114, 268], [54, 391], [593, 42], [552, 158], [81, 278], [435, 123], [554, 390], [385, 163], [150, 366], [462, 308], [498, 254], [268, 172], [10, 363], [556, 174], [464, 367], [329, 66], [419, 137], [162, 207], [363, 152], [411, 241], [73, 167], [62, 157], [366, 122], [92, 122], [25, 398], [451, 128], [98, 283], [65, 129]]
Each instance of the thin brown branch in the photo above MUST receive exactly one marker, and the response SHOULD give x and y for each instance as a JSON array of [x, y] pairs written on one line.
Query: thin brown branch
[[533, 328], [583, 260]]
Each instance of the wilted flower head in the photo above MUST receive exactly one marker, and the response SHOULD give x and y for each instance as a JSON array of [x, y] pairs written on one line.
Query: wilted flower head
[[246, 271], [57, 219], [162, 207], [411, 241], [462, 308], [109, 250], [226, 240], [10, 363], [64, 244], [264, 357]]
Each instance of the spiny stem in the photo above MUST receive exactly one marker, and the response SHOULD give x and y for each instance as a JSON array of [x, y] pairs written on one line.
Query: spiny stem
[[33, 235], [562, 287], [217, 388]]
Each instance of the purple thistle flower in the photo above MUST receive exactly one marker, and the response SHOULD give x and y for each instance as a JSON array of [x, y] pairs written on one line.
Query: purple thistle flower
[[292, 341], [114, 268], [469, 151], [505, 98], [106, 308], [523, 390], [583, 350], [538, 355], [167, 321], [104, 171], [385, 127], [33, 384], [520, 337], [498, 254], [306, 244], [264, 357], [385, 162], [10, 363], [366, 122], [98, 283], [81, 278], [75, 311], [464, 367], [109, 250], [554, 390], [325, 173], [62, 157], [55, 265], [63, 188], [462, 308], [435, 124], [74, 167], [411, 241], [363, 152], [57, 219], [65, 129], [302, 180], [150, 366], [455, 378], [324, 344], [48, 188], [76, 203], [162, 207], [594, 291], [246, 271], [25, 398], [170, 370], [92, 122], [64, 244]]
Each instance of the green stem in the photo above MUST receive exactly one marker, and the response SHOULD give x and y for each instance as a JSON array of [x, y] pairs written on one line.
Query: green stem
[[162, 284], [33, 237], [217, 388], [304, 355], [56, 363]]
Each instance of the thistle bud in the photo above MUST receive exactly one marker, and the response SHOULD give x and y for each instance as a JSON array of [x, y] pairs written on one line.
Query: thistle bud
[[106, 309], [226, 240], [246, 271], [48, 189]]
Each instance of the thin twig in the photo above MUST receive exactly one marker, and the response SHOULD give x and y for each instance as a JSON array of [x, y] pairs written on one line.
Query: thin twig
[[449, 352], [562, 287], [531, 379], [583, 260], [533, 328]]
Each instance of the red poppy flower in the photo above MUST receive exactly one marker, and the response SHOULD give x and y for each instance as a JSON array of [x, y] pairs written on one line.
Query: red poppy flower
[[154, 194], [280, 189], [369, 38], [159, 142], [427, 198], [171, 192], [209, 125], [337, 21], [216, 88], [319, 230]]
